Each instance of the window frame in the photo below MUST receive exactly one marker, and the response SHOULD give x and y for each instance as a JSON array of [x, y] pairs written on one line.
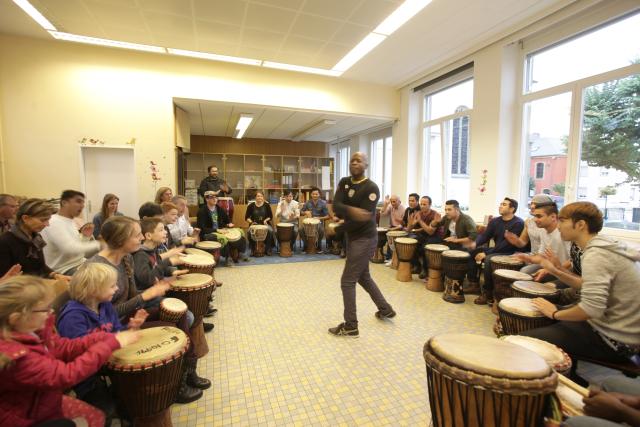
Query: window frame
[[576, 88]]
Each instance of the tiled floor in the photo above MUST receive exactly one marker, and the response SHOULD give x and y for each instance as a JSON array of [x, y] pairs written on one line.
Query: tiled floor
[[272, 361]]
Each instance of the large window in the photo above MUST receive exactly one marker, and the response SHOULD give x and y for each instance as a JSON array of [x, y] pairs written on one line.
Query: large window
[[380, 164], [344, 154], [446, 143], [581, 118]]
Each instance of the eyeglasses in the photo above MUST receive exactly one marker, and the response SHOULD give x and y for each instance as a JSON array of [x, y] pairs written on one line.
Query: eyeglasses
[[44, 310], [209, 197]]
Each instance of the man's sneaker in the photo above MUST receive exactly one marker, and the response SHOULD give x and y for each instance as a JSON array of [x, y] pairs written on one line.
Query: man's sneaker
[[385, 315], [341, 331], [388, 263]]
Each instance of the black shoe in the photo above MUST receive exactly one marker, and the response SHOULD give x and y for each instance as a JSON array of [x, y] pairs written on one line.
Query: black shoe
[[385, 315], [343, 254], [208, 327], [192, 375], [211, 312], [415, 270], [423, 275], [186, 393], [341, 331]]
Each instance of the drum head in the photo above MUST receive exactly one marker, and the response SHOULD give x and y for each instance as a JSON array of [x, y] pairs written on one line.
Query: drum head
[[436, 247], [513, 274], [191, 280], [489, 356], [313, 221], [334, 225], [549, 352], [285, 224], [406, 241], [455, 254], [198, 252], [173, 304], [520, 306], [396, 233], [506, 259], [208, 245], [534, 288], [155, 346], [198, 260], [259, 227], [382, 229], [231, 233]]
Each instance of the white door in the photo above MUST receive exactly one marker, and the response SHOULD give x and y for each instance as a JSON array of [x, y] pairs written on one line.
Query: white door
[[109, 170]]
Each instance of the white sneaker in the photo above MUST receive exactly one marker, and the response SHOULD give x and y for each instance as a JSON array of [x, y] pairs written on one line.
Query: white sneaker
[[387, 264]]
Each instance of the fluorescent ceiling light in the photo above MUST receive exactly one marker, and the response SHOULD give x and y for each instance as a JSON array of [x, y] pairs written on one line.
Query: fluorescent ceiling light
[[214, 57], [365, 46], [314, 129], [35, 15], [106, 42], [243, 124], [402, 14], [302, 69]]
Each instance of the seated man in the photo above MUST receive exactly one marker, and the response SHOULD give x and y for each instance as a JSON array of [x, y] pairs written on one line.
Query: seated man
[[414, 199], [419, 223], [288, 211], [67, 248], [507, 221], [212, 219], [315, 208], [459, 228], [605, 324], [393, 208]]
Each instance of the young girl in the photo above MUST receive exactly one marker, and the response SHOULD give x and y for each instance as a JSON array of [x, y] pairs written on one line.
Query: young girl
[[36, 365], [89, 310]]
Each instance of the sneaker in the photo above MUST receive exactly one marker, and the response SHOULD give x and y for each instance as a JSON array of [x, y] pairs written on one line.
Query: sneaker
[[423, 275], [386, 315], [415, 270], [228, 262], [387, 264], [208, 327], [341, 331], [481, 300], [245, 258]]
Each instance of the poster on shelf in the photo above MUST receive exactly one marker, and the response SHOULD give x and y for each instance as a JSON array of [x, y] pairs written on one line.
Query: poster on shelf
[[326, 181], [189, 183], [191, 194]]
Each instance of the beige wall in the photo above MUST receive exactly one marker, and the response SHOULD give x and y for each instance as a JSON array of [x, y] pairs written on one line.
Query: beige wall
[[52, 94]]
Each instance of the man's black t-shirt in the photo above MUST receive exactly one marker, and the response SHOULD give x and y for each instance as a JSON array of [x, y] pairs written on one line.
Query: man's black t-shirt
[[364, 195]]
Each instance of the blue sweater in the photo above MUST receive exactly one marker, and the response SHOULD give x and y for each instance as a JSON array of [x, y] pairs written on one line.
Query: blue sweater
[[495, 230]]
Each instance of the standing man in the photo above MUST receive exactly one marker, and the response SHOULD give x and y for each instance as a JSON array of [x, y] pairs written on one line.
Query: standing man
[[213, 183], [496, 230], [67, 248], [8, 209], [355, 201]]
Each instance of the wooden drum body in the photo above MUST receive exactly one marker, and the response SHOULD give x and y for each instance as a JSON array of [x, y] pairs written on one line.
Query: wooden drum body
[[455, 265], [555, 357], [259, 234], [391, 237], [311, 234], [478, 381], [285, 236], [434, 259], [518, 315], [405, 248], [146, 375], [530, 289], [378, 256], [195, 290]]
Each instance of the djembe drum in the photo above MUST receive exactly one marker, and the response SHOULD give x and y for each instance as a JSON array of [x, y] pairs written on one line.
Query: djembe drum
[[434, 259], [531, 289], [502, 280], [199, 264], [455, 265], [285, 236], [392, 235], [406, 248], [233, 235], [505, 262], [172, 309], [199, 252], [311, 234], [330, 230], [259, 233], [146, 375], [226, 203], [517, 315], [555, 357], [478, 381], [378, 256], [195, 290], [210, 247]]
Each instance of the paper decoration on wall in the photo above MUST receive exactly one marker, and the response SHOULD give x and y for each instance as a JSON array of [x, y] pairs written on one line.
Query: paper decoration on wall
[[91, 141], [483, 182], [155, 171]]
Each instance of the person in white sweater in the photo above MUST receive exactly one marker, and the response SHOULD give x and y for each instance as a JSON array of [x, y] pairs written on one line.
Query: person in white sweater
[[605, 324], [67, 247]]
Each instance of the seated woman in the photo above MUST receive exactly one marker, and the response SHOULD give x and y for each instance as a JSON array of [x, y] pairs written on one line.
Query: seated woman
[[215, 223], [605, 324], [23, 244], [182, 227], [123, 236], [259, 213], [37, 365], [164, 194], [109, 209]]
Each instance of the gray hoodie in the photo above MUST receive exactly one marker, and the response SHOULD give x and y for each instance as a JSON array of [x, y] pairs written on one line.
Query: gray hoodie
[[611, 289]]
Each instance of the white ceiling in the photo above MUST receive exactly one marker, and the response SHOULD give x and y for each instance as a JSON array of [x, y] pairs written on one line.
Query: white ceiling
[[314, 33], [219, 119]]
